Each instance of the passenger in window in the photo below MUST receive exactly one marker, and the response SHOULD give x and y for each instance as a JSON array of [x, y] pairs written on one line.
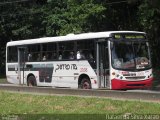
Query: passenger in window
[[44, 58], [60, 57], [54, 56], [39, 57], [91, 59], [90, 56], [29, 57], [80, 55], [71, 57]]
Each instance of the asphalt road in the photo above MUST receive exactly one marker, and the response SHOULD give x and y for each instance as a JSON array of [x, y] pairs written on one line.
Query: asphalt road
[[140, 95]]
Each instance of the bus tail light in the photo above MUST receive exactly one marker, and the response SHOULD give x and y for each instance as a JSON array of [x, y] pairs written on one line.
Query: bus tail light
[[95, 82]]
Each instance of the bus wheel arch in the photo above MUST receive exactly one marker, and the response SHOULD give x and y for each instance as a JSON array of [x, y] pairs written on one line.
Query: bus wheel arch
[[84, 82], [31, 80]]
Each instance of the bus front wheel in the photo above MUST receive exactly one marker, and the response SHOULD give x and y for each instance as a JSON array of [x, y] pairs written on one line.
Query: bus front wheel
[[85, 84], [31, 81]]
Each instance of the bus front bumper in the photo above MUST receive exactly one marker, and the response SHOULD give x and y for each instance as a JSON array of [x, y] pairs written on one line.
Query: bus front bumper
[[124, 84]]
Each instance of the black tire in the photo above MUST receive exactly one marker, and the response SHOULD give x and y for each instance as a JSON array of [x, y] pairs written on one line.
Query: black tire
[[85, 84], [31, 81]]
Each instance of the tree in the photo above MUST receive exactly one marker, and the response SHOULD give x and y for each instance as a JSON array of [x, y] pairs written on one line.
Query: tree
[[149, 18], [40, 18], [72, 16]]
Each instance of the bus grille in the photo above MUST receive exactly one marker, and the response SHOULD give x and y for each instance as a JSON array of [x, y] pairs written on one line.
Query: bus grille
[[135, 84], [135, 78]]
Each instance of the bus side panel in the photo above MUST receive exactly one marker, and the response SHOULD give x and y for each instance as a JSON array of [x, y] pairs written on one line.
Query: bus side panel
[[64, 74], [68, 73], [12, 73], [85, 68]]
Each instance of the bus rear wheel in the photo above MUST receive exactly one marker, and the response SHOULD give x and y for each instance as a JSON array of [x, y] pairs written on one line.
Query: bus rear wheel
[[31, 81], [85, 84]]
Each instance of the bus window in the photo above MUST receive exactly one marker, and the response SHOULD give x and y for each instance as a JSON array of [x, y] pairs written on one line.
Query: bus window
[[66, 49], [87, 50], [33, 52], [86, 47], [12, 54], [49, 51]]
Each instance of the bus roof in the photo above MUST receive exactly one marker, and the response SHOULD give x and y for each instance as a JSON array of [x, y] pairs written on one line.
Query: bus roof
[[69, 37]]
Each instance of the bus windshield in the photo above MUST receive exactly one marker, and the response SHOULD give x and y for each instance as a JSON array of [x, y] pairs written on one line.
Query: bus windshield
[[130, 55]]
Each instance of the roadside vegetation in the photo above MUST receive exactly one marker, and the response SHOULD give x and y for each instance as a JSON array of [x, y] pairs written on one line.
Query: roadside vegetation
[[27, 105], [156, 82], [28, 19], [3, 79]]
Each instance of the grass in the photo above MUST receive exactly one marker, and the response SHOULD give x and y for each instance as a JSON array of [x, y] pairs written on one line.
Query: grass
[[33, 105], [41, 107], [3, 80]]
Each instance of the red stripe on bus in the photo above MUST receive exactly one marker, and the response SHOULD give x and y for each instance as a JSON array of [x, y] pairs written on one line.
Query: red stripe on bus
[[121, 84]]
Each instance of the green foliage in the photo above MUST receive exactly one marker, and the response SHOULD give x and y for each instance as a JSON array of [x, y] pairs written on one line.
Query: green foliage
[[70, 16], [149, 18], [54, 18], [3, 79], [40, 18]]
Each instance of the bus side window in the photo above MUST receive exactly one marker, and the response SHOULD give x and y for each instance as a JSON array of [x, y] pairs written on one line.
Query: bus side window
[[87, 51], [33, 52], [12, 55], [90, 56], [71, 56], [54, 56], [49, 51], [39, 57], [66, 50]]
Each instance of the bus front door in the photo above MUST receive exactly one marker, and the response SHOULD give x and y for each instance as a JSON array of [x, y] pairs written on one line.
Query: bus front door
[[103, 64], [21, 64]]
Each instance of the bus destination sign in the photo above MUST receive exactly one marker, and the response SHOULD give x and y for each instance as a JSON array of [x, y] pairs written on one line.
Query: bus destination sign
[[129, 36]]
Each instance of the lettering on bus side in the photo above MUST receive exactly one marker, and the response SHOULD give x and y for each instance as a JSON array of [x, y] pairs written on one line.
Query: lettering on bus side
[[83, 70], [66, 67]]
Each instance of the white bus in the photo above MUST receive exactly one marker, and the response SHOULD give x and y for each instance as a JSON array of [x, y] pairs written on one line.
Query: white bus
[[112, 60]]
